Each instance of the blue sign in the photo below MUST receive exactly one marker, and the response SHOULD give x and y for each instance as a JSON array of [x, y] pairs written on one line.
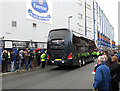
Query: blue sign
[[40, 5], [35, 16], [40, 10]]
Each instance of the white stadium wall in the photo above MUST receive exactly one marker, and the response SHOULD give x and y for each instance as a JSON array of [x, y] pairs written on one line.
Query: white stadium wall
[[85, 21], [24, 29], [61, 11], [0, 20]]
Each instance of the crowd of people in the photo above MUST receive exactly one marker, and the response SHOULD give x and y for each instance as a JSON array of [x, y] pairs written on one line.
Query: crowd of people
[[107, 71], [28, 59]]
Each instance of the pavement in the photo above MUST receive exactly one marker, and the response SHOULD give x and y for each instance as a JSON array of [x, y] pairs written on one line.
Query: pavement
[[21, 71], [51, 78], [18, 72]]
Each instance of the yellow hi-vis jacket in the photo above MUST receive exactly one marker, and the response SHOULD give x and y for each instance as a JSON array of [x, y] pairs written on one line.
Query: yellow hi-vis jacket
[[98, 53], [43, 57], [8, 54]]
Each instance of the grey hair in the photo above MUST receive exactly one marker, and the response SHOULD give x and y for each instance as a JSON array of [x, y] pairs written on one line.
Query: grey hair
[[101, 59], [106, 58]]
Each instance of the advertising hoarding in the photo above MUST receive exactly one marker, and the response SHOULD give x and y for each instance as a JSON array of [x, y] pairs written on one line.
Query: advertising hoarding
[[39, 10]]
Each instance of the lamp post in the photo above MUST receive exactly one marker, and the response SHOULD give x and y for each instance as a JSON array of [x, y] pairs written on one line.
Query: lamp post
[[69, 21]]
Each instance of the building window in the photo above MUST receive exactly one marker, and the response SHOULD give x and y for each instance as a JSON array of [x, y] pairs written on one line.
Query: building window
[[80, 2], [89, 19], [89, 29], [80, 29], [88, 6], [14, 23], [79, 25], [80, 16], [34, 25]]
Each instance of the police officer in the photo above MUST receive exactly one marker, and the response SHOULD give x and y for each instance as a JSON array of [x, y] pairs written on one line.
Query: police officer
[[43, 59], [98, 53], [9, 56]]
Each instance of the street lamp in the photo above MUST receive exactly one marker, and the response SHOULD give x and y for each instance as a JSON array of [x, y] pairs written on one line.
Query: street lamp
[[69, 21]]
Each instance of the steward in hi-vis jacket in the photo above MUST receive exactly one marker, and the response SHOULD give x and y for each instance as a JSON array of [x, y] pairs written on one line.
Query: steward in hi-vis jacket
[[43, 59]]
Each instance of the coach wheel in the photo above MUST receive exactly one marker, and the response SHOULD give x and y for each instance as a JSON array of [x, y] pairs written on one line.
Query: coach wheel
[[83, 61], [80, 63], [93, 59]]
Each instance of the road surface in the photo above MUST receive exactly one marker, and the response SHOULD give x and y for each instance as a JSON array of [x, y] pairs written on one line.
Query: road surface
[[52, 77]]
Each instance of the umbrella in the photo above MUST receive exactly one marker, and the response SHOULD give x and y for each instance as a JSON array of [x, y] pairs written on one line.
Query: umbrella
[[37, 49]]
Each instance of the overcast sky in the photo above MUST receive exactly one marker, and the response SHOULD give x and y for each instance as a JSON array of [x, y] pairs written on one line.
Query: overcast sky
[[110, 8]]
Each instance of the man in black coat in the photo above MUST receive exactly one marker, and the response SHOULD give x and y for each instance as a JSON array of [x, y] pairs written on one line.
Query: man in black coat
[[12, 60], [38, 58], [3, 61], [5, 54], [31, 58], [39, 53]]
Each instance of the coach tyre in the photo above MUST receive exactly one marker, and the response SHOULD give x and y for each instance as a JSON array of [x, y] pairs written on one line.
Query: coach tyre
[[80, 62], [83, 61]]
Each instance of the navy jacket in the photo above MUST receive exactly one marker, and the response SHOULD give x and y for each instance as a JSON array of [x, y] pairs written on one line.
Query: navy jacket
[[119, 57], [102, 78]]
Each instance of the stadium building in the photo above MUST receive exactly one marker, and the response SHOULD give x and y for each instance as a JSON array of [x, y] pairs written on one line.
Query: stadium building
[[27, 24]]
